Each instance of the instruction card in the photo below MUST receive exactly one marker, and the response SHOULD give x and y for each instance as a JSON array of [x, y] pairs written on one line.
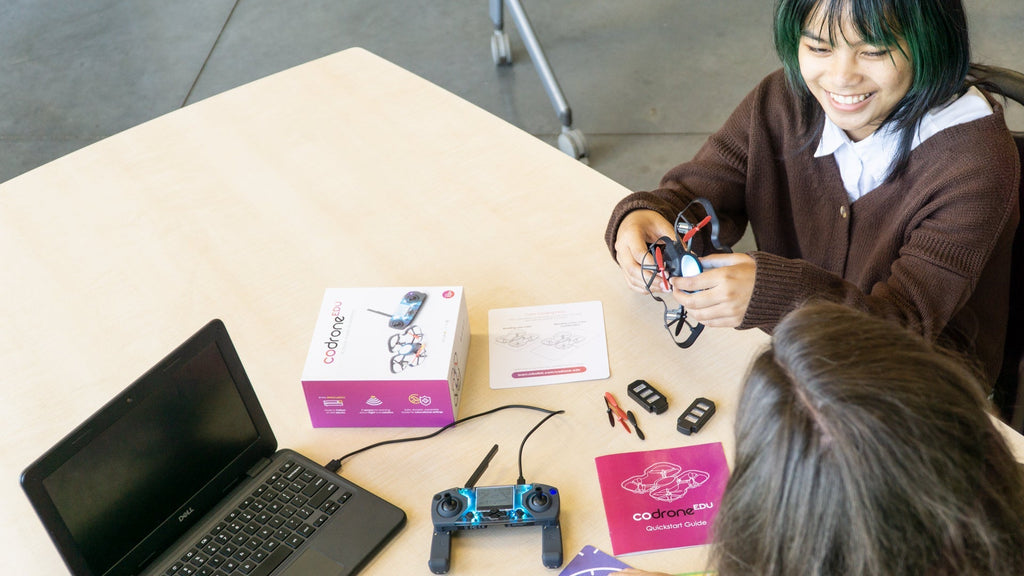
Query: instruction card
[[536, 345]]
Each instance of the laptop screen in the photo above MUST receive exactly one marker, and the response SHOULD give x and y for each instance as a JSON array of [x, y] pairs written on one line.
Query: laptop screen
[[136, 478]]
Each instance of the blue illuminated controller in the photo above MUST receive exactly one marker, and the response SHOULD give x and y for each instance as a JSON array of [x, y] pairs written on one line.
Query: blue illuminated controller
[[485, 506]]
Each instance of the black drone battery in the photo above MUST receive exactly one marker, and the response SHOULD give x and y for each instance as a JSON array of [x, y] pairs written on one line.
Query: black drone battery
[[696, 416], [647, 396]]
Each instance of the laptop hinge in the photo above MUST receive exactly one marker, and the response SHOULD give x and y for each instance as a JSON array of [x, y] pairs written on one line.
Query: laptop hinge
[[258, 467]]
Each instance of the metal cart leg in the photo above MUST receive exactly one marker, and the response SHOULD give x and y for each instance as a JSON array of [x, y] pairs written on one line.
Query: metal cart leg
[[571, 140]]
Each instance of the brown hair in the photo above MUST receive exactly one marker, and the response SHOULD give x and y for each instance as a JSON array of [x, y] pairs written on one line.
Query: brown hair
[[861, 449]]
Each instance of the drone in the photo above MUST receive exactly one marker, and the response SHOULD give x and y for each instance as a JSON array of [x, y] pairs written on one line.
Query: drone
[[671, 258], [408, 349]]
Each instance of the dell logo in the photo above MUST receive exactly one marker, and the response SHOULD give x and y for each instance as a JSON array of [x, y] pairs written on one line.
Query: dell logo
[[186, 514]]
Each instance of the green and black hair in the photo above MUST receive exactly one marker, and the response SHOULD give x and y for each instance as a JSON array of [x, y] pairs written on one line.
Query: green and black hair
[[934, 33]]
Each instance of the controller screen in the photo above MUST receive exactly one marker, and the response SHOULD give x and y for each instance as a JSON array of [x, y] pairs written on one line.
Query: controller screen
[[495, 498]]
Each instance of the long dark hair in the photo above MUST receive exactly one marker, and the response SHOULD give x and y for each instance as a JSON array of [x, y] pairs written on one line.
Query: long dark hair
[[863, 450], [938, 48]]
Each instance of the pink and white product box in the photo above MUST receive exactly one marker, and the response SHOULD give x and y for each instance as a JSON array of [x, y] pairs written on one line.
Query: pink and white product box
[[387, 357]]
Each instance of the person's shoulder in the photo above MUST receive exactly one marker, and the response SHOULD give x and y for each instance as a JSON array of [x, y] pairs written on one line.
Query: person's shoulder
[[776, 80], [986, 138], [980, 151], [773, 90], [774, 83], [773, 103]]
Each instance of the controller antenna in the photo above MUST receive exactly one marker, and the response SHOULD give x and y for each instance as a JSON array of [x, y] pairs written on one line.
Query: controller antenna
[[483, 466]]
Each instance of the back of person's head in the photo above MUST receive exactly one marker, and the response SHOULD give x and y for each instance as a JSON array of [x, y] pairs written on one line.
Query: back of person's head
[[933, 34], [862, 450]]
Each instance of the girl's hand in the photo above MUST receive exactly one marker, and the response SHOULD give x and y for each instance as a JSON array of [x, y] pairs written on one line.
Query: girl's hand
[[638, 229], [718, 296]]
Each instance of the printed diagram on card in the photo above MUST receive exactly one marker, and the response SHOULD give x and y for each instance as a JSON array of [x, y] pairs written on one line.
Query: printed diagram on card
[[535, 345]]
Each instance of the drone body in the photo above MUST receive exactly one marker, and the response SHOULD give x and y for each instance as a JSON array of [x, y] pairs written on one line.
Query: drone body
[[672, 258]]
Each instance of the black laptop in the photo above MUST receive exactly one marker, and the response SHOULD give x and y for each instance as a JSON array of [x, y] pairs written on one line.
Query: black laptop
[[180, 475]]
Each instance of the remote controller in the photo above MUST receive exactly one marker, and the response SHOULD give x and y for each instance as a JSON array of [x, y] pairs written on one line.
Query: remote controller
[[407, 309], [485, 506]]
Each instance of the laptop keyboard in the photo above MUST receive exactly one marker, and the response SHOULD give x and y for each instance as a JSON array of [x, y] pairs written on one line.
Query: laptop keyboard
[[266, 527]]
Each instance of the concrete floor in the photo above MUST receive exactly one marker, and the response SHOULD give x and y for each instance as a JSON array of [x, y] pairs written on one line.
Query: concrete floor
[[647, 80]]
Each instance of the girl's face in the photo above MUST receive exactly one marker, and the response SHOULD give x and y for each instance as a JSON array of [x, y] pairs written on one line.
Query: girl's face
[[857, 84]]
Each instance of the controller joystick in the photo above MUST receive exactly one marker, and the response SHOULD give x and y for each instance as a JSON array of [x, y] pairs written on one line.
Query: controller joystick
[[538, 501], [448, 506]]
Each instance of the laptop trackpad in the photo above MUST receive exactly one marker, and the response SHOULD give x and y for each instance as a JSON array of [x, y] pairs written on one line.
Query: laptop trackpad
[[312, 562]]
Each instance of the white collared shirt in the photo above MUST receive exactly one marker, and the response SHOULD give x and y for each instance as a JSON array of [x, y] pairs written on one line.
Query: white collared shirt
[[864, 165]]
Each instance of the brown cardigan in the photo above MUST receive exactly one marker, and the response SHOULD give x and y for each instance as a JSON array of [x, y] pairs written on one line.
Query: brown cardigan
[[930, 250]]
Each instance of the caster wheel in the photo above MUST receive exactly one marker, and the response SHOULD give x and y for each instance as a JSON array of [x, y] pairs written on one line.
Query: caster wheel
[[501, 50], [573, 143]]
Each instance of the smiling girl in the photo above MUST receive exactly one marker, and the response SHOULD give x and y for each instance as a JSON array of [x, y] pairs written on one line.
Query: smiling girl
[[870, 172]]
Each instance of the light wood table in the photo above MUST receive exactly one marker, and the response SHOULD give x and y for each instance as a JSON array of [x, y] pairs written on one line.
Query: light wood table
[[346, 171]]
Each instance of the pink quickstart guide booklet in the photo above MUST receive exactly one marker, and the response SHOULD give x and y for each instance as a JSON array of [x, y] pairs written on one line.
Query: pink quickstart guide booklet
[[662, 499]]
